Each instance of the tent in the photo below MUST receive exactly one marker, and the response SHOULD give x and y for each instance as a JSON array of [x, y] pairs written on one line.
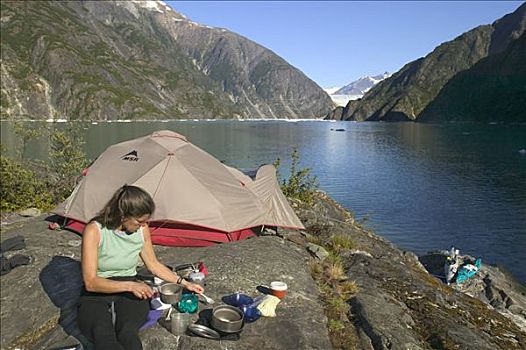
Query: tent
[[199, 200]]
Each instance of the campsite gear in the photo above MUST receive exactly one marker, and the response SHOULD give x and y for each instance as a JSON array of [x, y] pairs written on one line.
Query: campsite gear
[[54, 226], [202, 268], [203, 331], [467, 271], [179, 323], [170, 293], [199, 200], [169, 314], [197, 278], [157, 304], [250, 313], [278, 289], [237, 299], [188, 303], [13, 243], [151, 319], [184, 270], [267, 306], [450, 269], [146, 275], [227, 319], [7, 264], [208, 300]]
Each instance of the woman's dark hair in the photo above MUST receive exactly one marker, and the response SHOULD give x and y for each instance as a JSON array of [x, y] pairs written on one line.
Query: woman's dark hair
[[127, 202]]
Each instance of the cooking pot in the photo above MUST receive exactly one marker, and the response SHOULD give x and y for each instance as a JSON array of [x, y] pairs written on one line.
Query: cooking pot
[[170, 293], [227, 319]]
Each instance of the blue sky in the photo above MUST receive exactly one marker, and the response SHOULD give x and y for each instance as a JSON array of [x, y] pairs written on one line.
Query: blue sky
[[336, 42]]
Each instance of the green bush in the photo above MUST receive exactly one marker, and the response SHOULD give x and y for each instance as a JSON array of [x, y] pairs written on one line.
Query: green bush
[[67, 160], [28, 183], [300, 184], [21, 187]]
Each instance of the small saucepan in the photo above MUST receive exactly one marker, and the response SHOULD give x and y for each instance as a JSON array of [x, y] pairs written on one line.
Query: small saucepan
[[170, 293], [227, 319]]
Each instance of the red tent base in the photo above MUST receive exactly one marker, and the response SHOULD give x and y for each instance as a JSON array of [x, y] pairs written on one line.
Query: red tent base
[[181, 235]]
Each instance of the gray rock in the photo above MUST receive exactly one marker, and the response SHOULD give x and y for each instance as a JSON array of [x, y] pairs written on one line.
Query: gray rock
[[397, 306], [38, 300], [319, 252], [31, 212]]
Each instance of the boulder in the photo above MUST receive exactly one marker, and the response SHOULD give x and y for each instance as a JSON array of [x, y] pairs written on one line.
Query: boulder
[[398, 305], [31, 212], [317, 251], [39, 300]]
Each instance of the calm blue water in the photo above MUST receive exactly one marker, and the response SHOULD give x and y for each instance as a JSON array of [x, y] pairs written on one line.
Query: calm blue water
[[423, 187]]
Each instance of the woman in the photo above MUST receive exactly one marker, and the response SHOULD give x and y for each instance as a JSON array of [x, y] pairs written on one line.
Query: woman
[[114, 305]]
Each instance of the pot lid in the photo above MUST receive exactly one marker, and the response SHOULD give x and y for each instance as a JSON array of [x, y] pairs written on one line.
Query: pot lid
[[203, 331]]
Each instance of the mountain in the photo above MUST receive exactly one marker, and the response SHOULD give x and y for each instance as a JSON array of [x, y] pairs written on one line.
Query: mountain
[[355, 90], [140, 60], [407, 93], [493, 89], [361, 86]]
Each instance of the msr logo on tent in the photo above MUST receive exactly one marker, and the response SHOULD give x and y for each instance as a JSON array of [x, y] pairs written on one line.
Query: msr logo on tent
[[131, 156]]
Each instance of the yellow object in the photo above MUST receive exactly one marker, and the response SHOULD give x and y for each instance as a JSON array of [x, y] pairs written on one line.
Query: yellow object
[[267, 306]]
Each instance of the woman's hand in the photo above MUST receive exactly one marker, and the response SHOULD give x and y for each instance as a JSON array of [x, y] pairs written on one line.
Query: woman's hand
[[141, 290], [194, 288]]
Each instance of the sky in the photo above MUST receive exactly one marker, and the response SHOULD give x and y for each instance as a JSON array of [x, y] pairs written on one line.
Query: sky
[[337, 42]]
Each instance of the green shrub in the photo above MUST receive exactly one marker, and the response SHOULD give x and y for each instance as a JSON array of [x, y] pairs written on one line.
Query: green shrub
[[28, 183], [21, 187], [300, 184], [67, 160]]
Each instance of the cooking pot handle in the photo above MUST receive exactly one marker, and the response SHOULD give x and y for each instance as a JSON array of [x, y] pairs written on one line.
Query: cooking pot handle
[[183, 266]]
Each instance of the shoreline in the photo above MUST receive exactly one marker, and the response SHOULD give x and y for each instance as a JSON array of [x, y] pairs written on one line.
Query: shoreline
[[397, 301]]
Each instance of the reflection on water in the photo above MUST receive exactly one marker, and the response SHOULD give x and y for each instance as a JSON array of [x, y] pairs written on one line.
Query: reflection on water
[[424, 187]]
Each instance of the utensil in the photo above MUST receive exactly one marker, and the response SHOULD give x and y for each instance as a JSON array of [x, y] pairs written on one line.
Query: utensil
[[250, 313], [227, 319], [204, 331], [237, 299], [208, 300], [169, 313], [179, 323], [170, 293]]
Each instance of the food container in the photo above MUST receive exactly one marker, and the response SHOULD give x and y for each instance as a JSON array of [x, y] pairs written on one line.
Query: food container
[[170, 293], [179, 323], [188, 303], [278, 289], [227, 319]]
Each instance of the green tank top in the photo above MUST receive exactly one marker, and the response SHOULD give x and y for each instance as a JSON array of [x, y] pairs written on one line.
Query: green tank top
[[118, 252]]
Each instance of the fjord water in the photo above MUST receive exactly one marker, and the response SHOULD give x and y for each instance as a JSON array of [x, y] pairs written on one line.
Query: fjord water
[[421, 186]]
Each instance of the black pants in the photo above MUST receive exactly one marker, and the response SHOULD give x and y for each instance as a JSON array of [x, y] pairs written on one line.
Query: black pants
[[95, 320]]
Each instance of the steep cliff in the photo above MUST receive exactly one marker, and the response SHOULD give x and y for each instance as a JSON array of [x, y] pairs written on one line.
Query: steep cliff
[[406, 94], [140, 60], [494, 89]]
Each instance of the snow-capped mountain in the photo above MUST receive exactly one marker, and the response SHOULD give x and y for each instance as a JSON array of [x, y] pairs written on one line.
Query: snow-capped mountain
[[355, 90], [362, 85]]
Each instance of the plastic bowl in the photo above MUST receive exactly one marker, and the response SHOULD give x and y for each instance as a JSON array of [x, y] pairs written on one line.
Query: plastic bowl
[[237, 299], [251, 313]]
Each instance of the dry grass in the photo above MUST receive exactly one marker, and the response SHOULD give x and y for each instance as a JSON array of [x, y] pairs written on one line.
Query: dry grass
[[341, 241], [30, 337], [335, 291], [347, 288], [333, 272]]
